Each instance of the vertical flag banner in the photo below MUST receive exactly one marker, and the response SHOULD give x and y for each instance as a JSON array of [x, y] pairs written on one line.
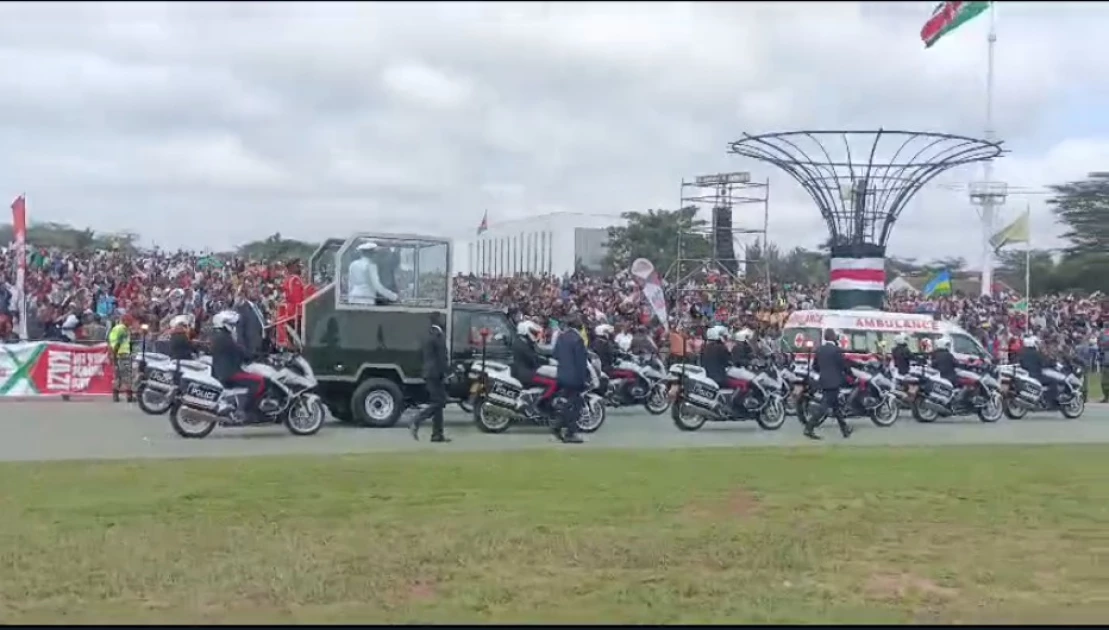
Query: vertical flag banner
[[19, 230], [484, 225], [651, 286]]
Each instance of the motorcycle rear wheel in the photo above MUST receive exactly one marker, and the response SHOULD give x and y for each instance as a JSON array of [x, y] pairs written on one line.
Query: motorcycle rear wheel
[[190, 429], [487, 422], [686, 420], [1013, 411], [923, 414], [153, 402]]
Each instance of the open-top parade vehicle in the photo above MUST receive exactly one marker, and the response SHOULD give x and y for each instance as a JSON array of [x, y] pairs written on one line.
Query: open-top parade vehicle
[[365, 348]]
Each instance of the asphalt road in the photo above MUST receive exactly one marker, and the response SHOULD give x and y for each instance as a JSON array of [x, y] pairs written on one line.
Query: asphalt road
[[102, 430]]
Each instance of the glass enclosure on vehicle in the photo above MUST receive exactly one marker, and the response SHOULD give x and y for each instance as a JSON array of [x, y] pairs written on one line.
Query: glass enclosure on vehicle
[[866, 341], [393, 271], [321, 265]]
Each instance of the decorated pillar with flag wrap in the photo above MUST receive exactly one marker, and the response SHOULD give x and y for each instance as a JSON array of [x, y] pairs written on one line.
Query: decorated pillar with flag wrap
[[857, 276]]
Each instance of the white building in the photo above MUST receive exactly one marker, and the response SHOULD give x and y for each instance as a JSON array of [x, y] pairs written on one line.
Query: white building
[[551, 243]]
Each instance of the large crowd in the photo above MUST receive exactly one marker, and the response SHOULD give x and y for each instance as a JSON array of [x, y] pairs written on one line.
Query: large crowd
[[76, 295]]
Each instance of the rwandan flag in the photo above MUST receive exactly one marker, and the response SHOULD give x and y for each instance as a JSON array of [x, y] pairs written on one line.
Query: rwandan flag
[[940, 284]]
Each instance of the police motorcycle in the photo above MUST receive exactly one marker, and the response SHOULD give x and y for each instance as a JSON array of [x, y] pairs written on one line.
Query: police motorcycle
[[637, 381], [976, 392], [288, 398], [749, 394], [1022, 393], [869, 392], [157, 384], [502, 400]]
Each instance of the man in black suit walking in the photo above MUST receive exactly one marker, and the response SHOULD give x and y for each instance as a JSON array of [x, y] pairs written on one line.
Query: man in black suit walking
[[435, 369], [830, 363], [250, 331], [573, 378]]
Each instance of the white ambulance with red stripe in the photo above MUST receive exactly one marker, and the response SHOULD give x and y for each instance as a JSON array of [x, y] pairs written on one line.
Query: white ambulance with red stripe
[[860, 333]]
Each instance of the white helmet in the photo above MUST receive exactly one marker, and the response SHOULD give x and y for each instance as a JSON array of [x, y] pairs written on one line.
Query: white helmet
[[943, 343], [901, 339], [180, 320], [603, 330], [1031, 341], [528, 329], [744, 334], [716, 333], [225, 320]]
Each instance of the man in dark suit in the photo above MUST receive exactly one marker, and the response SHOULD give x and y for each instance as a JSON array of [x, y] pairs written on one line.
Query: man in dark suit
[[573, 378], [435, 369], [250, 330], [832, 365]]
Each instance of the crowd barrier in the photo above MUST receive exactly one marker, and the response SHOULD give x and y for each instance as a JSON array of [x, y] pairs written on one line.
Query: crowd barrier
[[45, 369]]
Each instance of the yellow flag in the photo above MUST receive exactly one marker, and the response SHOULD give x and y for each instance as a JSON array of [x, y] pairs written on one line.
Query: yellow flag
[[1015, 232]]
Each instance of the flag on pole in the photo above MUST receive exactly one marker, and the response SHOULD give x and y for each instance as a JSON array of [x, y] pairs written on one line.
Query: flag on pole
[[1015, 232], [19, 232], [948, 16], [940, 284], [484, 225]]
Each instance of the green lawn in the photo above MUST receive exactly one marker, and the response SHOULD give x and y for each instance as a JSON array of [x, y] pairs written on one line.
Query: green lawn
[[810, 535]]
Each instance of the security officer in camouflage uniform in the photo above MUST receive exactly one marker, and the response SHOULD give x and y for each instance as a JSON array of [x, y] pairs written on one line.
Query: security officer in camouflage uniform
[[119, 345]]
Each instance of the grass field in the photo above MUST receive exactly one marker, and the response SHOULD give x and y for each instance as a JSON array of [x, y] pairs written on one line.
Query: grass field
[[720, 535]]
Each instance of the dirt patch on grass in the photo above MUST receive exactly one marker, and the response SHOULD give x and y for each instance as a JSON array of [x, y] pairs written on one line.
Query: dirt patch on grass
[[737, 504], [898, 586]]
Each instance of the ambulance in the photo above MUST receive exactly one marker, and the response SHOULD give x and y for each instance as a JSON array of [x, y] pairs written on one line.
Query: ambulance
[[860, 333]]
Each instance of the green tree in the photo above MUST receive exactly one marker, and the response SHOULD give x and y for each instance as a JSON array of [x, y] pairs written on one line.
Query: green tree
[[654, 235], [276, 248], [69, 238]]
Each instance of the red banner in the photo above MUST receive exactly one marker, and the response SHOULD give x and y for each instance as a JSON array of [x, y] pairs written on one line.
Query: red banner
[[73, 369]]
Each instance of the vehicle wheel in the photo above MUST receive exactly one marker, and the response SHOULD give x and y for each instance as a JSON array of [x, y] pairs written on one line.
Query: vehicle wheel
[[593, 414], [686, 420], [658, 401], [377, 403], [193, 426], [1011, 411], [490, 422], [1074, 408], [993, 410], [809, 409], [886, 413], [773, 415], [153, 402], [305, 417], [922, 413]]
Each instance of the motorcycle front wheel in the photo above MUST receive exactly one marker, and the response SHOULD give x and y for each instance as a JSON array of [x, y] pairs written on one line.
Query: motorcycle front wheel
[[773, 415], [305, 417], [993, 409], [593, 414], [658, 400], [886, 413], [1074, 409]]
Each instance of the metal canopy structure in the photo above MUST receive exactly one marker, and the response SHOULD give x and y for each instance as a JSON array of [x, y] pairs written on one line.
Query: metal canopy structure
[[862, 180]]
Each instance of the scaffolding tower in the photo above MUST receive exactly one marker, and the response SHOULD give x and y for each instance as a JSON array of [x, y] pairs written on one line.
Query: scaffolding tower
[[721, 193]]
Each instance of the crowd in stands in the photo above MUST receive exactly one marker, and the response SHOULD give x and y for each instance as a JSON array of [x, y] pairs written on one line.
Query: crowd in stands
[[75, 295]]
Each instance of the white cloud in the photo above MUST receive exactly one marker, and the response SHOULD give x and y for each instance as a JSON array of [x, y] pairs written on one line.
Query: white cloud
[[320, 119]]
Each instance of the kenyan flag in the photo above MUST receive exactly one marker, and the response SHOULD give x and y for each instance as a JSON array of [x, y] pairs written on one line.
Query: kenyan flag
[[947, 17]]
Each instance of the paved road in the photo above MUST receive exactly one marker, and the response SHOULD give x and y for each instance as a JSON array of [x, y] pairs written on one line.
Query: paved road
[[101, 430]]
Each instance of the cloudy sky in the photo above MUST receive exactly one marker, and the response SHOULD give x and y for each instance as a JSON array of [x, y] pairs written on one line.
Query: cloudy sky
[[212, 124]]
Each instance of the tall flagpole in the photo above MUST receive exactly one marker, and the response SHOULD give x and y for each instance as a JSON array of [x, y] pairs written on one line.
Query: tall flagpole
[[989, 194], [1028, 269]]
